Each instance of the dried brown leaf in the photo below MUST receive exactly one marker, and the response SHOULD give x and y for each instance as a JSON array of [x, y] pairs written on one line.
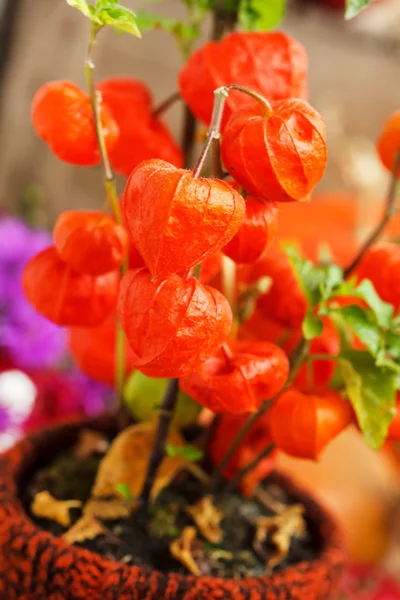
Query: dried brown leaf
[[108, 509], [207, 518], [45, 506], [279, 530], [90, 442], [187, 550], [87, 528], [127, 459]]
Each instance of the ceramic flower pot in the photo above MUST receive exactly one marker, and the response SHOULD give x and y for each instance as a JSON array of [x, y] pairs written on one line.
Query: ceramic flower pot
[[35, 565]]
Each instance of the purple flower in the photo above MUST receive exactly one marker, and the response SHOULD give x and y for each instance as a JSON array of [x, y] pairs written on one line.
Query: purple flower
[[31, 340]]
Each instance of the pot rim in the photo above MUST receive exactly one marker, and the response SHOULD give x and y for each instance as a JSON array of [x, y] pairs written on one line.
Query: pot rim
[[27, 454]]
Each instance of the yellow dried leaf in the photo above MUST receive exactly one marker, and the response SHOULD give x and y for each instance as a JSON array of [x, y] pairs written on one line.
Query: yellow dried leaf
[[184, 550], [280, 529], [45, 506], [108, 509], [207, 518], [87, 528], [90, 442], [127, 459]]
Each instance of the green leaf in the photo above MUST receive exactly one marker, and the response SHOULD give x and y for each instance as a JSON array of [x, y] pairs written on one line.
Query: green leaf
[[382, 310], [358, 320], [147, 21], [124, 490], [309, 276], [312, 326], [372, 392], [353, 7], [261, 15], [317, 281], [393, 345], [113, 14], [105, 4], [188, 452], [143, 396], [85, 8]]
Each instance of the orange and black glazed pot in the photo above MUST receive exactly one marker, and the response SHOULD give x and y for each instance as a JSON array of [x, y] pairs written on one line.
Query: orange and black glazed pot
[[35, 565]]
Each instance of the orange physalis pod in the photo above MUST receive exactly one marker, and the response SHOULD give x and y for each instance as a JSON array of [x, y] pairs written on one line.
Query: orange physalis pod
[[173, 324], [177, 220]]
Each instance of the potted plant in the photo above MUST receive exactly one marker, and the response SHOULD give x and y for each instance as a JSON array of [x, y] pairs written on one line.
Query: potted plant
[[182, 298]]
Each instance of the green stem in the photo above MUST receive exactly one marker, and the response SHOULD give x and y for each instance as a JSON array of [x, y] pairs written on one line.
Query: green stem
[[253, 94], [388, 214], [112, 196]]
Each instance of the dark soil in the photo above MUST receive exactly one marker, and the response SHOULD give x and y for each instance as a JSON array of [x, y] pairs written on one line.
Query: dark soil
[[128, 541]]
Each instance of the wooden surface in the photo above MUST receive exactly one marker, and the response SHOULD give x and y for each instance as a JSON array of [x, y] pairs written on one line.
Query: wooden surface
[[359, 78]]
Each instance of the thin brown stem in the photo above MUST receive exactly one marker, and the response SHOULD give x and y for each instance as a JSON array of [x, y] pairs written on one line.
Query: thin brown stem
[[224, 19], [158, 451], [232, 485], [112, 196], [388, 214], [217, 475], [296, 361], [166, 104], [188, 137]]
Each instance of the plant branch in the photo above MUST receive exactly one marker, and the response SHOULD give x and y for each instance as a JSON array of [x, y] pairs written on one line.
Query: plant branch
[[296, 361], [166, 104], [224, 20], [188, 137], [253, 94], [158, 451], [232, 485], [112, 196], [220, 96], [388, 214], [217, 475]]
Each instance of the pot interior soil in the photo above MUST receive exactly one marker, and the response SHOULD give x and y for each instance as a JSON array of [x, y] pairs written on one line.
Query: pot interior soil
[[127, 540]]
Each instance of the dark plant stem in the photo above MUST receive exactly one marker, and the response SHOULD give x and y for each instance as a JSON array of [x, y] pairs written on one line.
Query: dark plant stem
[[232, 485], [217, 475], [224, 19], [158, 451], [166, 104], [296, 361], [188, 137], [112, 196], [210, 434], [388, 214]]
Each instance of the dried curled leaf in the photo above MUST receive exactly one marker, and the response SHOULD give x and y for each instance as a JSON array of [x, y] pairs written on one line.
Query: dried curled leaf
[[87, 528], [126, 461], [207, 518], [279, 530], [108, 508], [90, 442], [187, 550], [45, 506]]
